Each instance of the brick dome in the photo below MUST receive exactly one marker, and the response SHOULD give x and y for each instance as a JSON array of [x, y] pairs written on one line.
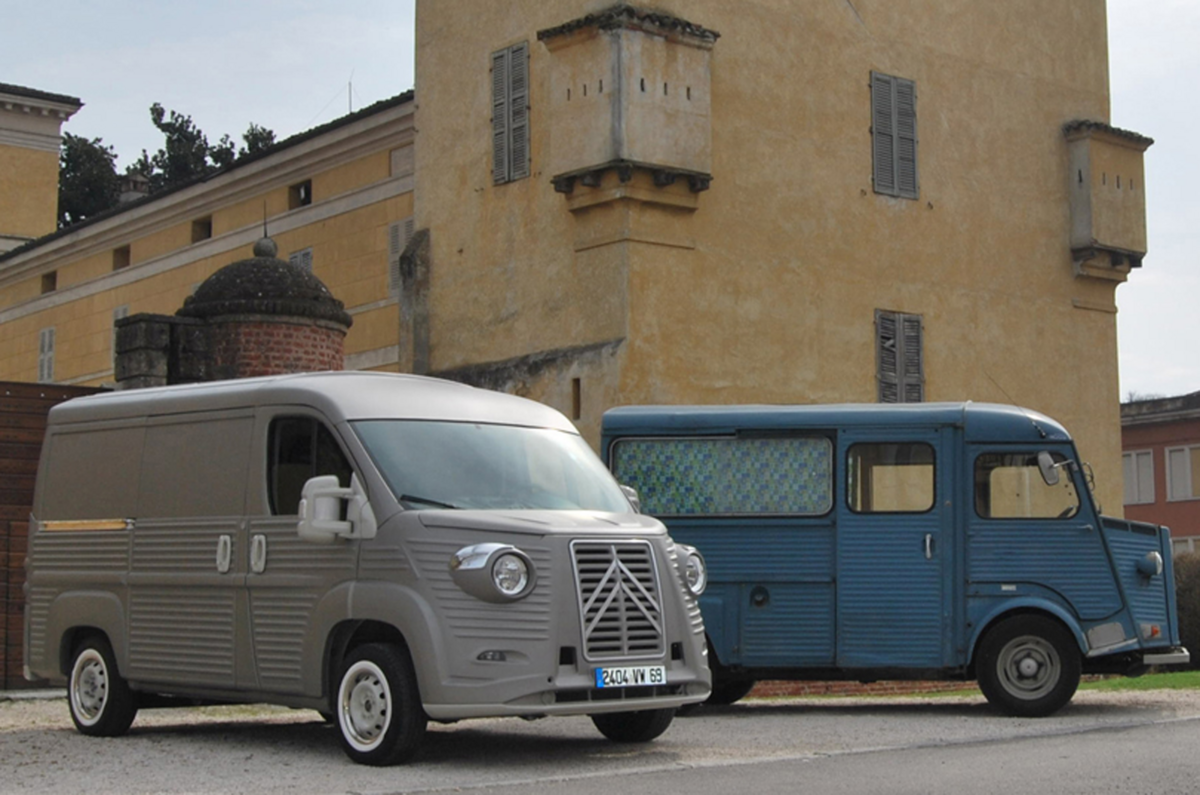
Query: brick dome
[[264, 285]]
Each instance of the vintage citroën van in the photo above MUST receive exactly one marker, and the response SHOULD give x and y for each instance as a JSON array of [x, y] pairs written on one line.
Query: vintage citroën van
[[922, 541], [384, 549]]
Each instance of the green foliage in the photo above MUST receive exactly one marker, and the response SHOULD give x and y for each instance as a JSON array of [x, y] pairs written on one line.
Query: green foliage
[[1187, 599], [186, 153], [1178, 680], [87, 179]]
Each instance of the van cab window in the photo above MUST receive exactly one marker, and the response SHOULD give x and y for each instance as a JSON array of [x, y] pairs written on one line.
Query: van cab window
[[300, 448], [890, 478], [1010, 486], [728, 475]]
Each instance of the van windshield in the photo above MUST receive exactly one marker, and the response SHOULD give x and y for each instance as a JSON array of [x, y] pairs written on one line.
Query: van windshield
[[433, 464]]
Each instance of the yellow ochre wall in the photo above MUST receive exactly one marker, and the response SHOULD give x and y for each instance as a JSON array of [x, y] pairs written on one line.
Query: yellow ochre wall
[[763, 288], [28, 191]]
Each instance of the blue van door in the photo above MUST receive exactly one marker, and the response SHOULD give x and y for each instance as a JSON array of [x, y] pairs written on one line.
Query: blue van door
[[894, 549]]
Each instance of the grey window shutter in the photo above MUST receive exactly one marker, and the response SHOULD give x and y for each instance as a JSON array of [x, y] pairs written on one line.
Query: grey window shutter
[[46, 355], [894, 135], [883, 134], [518, 99], [899, 357], [887, 356], [500, 116]]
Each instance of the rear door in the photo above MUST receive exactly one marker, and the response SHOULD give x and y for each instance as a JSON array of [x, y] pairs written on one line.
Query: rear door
[[894, 549]]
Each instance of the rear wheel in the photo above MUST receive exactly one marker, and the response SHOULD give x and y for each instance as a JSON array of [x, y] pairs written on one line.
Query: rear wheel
[[378, 707], [634, 727], [101, 702], [1028, 666]]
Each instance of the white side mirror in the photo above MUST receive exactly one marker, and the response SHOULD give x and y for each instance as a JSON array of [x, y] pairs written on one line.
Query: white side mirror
[[321, 507], [1048, 468]]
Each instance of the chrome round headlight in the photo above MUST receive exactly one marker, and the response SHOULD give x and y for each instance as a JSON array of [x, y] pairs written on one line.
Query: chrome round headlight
[[510, 575], [695, 573]]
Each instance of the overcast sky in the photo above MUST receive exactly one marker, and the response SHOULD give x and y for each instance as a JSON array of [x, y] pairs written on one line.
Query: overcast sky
[[293, 64]]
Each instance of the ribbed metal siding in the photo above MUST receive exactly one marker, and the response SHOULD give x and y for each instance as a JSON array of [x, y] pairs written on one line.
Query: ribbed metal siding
[[527, 619], [619, 601], [1147, 595], [185, 638]]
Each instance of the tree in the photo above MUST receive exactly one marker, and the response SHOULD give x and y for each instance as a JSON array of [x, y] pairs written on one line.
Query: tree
[[186, 153], [87, 179]]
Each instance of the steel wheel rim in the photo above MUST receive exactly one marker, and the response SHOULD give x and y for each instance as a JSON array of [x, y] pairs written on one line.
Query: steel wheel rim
[[365, 701], [1029, 667], [89, 687]]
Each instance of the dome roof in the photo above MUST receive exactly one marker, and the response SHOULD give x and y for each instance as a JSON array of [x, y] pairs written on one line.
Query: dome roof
[[264, 285]]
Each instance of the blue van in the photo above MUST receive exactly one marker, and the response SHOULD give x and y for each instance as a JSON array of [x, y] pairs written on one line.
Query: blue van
[[912, 541]]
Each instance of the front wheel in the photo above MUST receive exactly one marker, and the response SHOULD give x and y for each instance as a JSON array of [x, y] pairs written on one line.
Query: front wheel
[[101, 703], [1028, 666], [634, 727], [378, 707]]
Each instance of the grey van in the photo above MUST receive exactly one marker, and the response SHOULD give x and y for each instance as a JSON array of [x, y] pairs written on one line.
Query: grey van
[[385, 549]]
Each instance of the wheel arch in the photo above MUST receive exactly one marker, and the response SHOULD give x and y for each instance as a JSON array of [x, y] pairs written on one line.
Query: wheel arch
[[1032, 607], [78, 614]]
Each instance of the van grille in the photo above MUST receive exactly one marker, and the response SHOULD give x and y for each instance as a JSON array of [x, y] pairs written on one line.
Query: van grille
[[619, 602]]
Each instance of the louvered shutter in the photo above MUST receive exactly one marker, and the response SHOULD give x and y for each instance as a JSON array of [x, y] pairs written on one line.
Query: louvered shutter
[[906, 137], [912, 376], [46, 355], [500, 116], [887, 345], [883, 134], [518, 104]]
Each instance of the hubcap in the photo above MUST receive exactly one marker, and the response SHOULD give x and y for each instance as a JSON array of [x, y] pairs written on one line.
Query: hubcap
[[365, 705], [89, 686], [1029, 667]]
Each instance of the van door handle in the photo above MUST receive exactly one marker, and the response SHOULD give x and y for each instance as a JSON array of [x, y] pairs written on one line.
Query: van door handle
[[929, 546], [258, 554], [224, 553]]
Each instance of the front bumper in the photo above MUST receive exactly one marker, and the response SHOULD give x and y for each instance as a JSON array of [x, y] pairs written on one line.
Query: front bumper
[[1179, 656]]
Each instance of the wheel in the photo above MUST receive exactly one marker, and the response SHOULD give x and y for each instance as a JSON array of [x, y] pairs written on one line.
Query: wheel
[[101, 702], [729, 691], [378, 706], [1028, 666], [633, 727]]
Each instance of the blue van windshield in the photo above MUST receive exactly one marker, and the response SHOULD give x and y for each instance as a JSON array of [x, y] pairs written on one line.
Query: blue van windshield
[[434, 464]]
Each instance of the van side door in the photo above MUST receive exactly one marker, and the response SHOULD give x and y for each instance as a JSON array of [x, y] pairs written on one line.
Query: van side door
[[288, 577], [894, 548]]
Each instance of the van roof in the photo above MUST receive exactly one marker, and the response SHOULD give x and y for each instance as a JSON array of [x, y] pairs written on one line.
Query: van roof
[[340, 395], [981, 421]]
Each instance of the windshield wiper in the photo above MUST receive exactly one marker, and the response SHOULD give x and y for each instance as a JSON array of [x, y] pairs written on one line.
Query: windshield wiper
[[426, 501]]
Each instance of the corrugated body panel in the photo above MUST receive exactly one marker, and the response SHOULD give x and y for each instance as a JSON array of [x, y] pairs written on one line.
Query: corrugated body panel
[[182, 636], [281, 619], [287, 551], [889, 599], [785, 553], [794, 627], [98, 552], [1069, 560], [176, 547], [377, 562], [39, 615], [1147, 595], [527, 619]]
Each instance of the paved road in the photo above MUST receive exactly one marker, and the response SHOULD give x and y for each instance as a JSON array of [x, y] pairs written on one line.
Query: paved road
[[1127, 743]]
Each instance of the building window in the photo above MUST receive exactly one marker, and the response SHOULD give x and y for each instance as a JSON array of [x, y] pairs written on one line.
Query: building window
[[894, 135], [120, 258], [46, 355], [201, 229], [300, 195], [510, 113], [303, 258], [900, 367], [1183, 473], [49, 282], [399, 233], [1139, 477]]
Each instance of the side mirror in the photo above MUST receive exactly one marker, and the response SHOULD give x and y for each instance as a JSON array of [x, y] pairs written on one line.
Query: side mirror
[[321, 509], [631, 494], [1048, 468]]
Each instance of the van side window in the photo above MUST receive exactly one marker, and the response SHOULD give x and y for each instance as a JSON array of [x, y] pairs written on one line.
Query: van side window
[[300, 448], [890, 478], [1010, 486], [728, 475]]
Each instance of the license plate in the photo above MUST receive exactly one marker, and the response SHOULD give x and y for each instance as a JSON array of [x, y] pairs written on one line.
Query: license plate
[[636, 676]]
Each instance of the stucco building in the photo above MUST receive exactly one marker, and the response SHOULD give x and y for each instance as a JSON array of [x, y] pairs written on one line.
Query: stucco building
[[714, 202]]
